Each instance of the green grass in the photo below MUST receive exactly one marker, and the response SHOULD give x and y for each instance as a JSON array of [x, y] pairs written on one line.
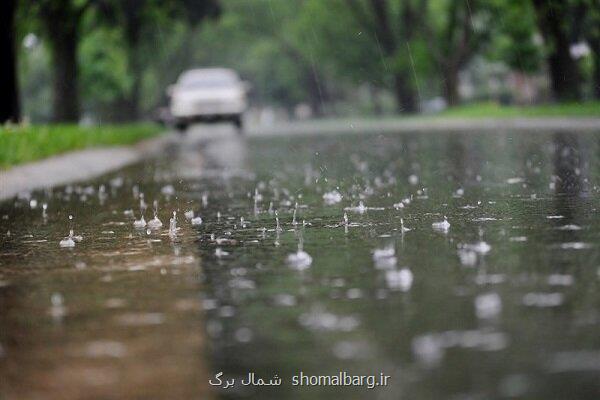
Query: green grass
[[494, 110], [21, 144]]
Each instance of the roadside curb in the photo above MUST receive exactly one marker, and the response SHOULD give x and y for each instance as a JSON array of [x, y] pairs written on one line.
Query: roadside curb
[[75, 166]]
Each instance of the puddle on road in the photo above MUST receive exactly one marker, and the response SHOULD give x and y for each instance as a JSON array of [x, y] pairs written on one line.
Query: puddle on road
[[460, 265]]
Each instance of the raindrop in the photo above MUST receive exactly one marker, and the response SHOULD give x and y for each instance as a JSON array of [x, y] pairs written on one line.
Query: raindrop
[[299, 260], [443, 226], [488, 305], [173, 225], [221, 253], [294, 217], [168, 190], [402, 227], [155, 223], [399, 279], [332, 197], [139, 223], [278, 227]]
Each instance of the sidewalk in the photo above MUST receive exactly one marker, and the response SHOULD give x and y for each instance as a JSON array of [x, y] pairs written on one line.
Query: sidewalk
[[75, 166]]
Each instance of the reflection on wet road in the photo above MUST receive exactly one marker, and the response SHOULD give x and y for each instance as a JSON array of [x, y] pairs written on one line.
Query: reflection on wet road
[[461, 265]]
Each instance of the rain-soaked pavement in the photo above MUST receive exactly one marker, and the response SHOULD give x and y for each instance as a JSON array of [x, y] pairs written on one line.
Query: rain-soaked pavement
[[499, 300]]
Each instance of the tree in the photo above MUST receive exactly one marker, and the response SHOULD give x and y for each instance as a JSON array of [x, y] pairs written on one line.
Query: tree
[[553, 23], [9, 99], [138, 18], [391, 44], [456, 30], [371, 42], [61, 21], [513, 36], [393, 29], [591, 9], [268, 43]]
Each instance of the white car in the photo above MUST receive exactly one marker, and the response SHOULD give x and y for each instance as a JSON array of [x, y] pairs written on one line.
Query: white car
[[208, 95]]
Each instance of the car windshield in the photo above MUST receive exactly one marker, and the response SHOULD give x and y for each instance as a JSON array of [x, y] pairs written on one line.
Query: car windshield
[[207, 80]]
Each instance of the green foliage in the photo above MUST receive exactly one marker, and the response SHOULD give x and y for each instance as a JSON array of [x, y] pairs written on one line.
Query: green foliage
[[297, 51], [513, 35], [20, 144], [105, 77], [344, 45]]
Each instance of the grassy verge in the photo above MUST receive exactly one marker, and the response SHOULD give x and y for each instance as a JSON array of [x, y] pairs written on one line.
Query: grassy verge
[[494, 110], [29, 143]]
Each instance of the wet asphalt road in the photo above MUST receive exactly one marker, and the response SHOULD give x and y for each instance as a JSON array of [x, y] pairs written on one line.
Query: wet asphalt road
[[502, 303]]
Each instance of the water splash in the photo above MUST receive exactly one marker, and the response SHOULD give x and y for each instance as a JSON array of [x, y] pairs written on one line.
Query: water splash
[[168, 190], [294, 222], [70, 240], [143, 204], [139, 223], [300, 260], [57, 308], [221, 253], [402, 227], [443, 226], [385, 258], [332, 197], [488, 305], [361, 209], [155, 223], [278, 227], [173, 225], [401, 280]]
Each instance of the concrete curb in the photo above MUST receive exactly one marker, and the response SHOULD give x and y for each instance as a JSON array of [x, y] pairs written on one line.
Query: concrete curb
[[75, 166]]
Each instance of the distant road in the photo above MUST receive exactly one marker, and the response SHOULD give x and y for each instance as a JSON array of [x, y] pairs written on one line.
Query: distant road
[[427, 124], [86, 164]]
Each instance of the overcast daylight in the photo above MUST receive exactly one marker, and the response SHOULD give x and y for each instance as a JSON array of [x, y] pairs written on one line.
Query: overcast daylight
[[299, 199]]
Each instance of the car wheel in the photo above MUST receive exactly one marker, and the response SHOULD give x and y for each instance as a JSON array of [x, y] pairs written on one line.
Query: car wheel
[[181, 127], [239, 124]]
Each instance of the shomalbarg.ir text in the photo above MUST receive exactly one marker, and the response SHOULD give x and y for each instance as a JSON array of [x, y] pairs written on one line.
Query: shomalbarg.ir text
[[342, 378]]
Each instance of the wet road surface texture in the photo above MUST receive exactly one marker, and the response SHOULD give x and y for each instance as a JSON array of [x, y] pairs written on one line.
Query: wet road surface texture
[[464, 266]]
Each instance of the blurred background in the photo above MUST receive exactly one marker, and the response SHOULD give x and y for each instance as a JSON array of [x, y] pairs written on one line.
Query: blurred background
[[101, 61]]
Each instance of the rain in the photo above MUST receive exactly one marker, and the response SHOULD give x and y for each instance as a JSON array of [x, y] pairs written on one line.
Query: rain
[[210, 199]]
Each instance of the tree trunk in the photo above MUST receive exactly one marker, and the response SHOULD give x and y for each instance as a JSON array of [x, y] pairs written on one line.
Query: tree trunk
[[451, 82], [564, 72], [133, 23], [316, 95], [595, 47], [405, 95], [62, 24], [9, 97]]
